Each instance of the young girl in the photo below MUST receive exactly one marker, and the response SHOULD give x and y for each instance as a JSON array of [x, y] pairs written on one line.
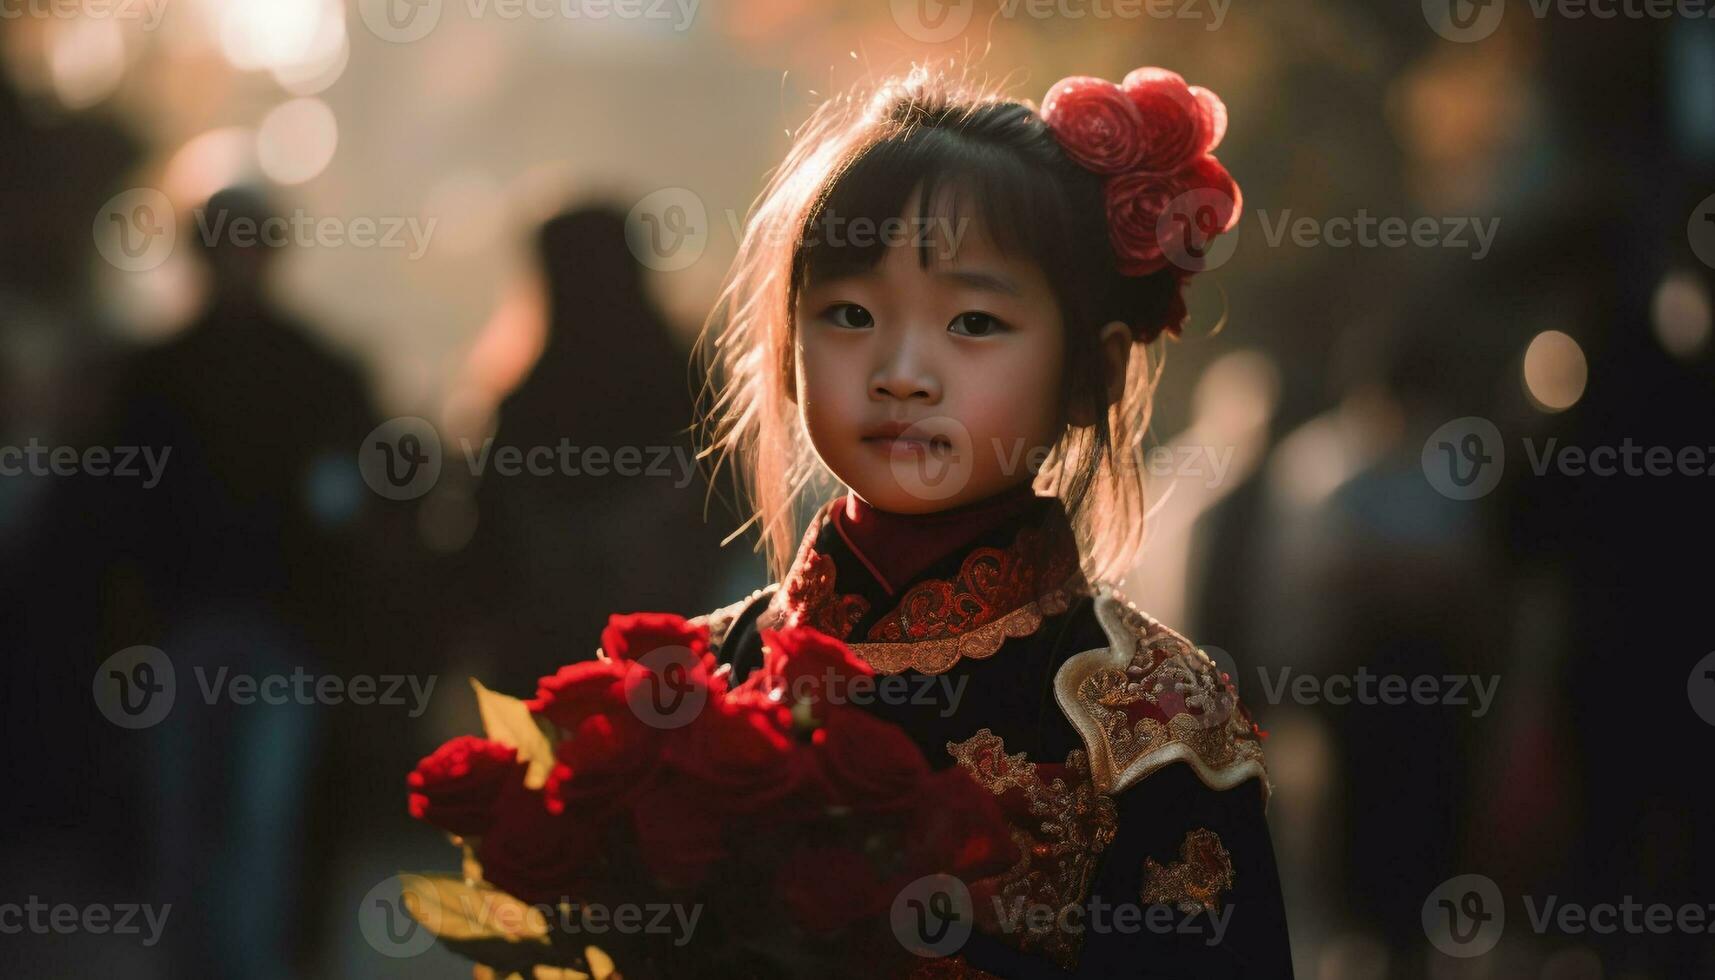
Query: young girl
[[957, 330]]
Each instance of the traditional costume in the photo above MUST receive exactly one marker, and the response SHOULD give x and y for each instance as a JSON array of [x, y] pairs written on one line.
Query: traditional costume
[[1131, 773]]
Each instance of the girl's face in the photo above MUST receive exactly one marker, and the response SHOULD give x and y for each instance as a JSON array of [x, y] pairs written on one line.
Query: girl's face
[[926, 388]]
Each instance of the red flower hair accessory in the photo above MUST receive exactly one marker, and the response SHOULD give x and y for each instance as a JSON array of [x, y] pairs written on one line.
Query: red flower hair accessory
[[1150, 137]]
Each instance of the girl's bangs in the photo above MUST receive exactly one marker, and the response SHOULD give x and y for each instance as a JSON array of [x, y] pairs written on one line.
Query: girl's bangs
[[963, 188]]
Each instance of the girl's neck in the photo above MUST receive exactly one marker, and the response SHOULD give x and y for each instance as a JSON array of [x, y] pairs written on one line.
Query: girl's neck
[[897, 547]]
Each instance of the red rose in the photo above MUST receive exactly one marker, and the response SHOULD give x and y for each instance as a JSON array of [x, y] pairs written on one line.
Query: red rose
[[1174, 125], [740, 750], [1136, 203], [604, 763], [826, 888], [538, 856], [1154, 220], [871, 765], [456, 787], [1206, 205], [577, 691], [1096, 123], [960, 829], [679, 838], [636, 636], [804, 661], [1214, 116]]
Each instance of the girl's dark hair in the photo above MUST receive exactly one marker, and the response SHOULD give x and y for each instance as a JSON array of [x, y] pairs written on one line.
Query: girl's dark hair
[[967, 155]]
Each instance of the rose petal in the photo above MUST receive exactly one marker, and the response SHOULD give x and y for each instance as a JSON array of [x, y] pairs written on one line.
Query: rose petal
[[1214, 115], [1096, 123]]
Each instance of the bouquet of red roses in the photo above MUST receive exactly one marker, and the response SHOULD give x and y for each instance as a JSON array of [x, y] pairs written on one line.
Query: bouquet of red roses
[[640, 812]]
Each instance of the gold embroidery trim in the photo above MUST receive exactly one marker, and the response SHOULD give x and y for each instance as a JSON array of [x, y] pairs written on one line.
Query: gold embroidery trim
[[1147, 662], [928, 656], [938, 656], [1195, 883], [1058, 856]]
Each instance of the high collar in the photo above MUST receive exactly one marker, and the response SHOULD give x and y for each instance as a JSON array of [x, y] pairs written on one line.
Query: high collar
[[896, 547], [923, 590]]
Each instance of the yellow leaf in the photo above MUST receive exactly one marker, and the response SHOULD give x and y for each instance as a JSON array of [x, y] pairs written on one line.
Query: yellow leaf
[[508, 721], [458, 912]]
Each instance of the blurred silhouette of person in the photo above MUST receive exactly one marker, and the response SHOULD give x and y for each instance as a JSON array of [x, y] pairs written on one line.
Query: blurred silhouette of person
[[555, 554], [239, 562], [69, 831]]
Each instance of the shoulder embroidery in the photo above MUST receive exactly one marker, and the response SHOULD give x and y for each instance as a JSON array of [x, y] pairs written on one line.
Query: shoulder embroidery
[[1150, 698], [1194, 883], [719, 622]]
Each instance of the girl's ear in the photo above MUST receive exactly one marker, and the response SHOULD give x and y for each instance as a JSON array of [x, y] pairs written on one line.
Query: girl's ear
[[1115, 344]]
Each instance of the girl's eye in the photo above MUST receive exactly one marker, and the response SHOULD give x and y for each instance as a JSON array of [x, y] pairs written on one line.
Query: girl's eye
[[849, 315], [976, 325]]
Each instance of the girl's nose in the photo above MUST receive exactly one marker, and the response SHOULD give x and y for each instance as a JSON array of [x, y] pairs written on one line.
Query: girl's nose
[[904, 375]]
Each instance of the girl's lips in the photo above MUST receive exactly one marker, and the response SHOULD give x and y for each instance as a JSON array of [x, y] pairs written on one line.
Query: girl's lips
[[903, 447]]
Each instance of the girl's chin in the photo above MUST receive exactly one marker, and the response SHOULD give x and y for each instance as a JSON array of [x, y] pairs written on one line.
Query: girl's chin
[[911, 484]]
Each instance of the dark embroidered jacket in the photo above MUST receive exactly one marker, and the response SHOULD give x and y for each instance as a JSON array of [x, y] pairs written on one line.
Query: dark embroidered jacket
[[1130, 771]]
